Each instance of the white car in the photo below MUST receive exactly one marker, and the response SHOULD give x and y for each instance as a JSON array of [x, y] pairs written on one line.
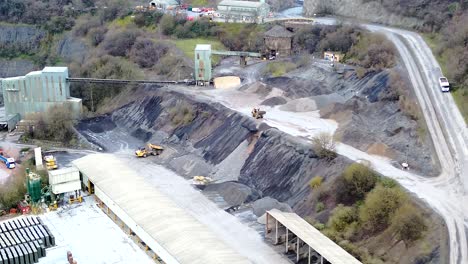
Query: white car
[[444, 84]]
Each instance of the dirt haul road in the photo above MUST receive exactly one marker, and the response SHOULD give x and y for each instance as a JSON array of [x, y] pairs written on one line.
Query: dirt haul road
[[447, 193]]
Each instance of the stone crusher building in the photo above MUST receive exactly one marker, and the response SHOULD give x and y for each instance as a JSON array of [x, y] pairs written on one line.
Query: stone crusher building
[[36, 92], [278, 41], [243, 11]]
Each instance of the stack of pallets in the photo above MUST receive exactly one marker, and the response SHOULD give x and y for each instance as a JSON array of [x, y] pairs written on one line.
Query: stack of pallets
[[24, 240]]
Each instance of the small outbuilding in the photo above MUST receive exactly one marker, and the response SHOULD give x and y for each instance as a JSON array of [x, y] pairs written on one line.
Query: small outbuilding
[[333, 56], [163, 4], [278, 41]]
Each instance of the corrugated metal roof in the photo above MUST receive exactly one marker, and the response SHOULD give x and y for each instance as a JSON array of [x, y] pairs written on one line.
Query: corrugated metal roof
[[55, 69], [180, 234], [279, 32], [203, 47], [314, 238], [240, 3]]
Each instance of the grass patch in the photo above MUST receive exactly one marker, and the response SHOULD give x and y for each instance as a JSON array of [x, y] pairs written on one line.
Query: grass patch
[[461, 98], [188, 46], [199, 2], [280, 68], [123, 22]]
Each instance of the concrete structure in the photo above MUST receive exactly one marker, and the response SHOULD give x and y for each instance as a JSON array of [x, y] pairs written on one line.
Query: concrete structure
[[302, 238], [37, 91], [244, 11], [203, 67], [163, 4], [203, 64], [333, 56], [166, 229], [64, 180], [278, 41]]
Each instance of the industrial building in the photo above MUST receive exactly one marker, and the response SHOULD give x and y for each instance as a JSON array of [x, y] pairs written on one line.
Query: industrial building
[[37, 91], [163, 4], [244, 11], [278, 41], [167, 230], [203, 66]]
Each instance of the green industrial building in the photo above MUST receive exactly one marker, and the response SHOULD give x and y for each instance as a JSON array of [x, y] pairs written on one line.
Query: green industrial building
[[37, 91], [203, 64], [243, 11]]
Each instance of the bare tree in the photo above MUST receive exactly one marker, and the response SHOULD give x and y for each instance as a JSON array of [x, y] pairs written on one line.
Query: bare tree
[[324, 146]]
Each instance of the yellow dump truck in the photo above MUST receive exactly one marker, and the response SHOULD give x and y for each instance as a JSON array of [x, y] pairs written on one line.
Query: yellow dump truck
[[151, 149]]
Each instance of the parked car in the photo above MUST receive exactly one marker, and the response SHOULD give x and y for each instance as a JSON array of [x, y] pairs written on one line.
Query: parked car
[[444, 84]]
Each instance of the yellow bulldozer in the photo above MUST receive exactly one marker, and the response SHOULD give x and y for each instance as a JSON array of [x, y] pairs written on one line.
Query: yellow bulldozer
[[151, 149], [257, 113]]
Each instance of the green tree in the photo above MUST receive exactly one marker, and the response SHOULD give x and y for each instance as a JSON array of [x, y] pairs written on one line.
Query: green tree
[[167, 24], [380, 206], [357, 180], [408, 225], [342, 217]]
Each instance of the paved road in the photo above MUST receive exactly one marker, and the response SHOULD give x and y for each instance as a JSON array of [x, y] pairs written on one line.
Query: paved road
[[446, 193]]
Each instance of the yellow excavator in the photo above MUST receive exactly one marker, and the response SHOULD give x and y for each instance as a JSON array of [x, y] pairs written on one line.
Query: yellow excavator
[[257, 113], [151, 149]]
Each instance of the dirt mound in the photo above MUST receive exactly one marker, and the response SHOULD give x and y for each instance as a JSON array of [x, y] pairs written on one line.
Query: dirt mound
[[277, 100], [257, 88], [261, 206], [98, 124], [297, 87], [234, 193], [381, 150], [300, 105]]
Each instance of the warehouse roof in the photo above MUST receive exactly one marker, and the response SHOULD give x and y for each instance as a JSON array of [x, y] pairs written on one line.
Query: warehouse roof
[[180, 234], [240, 3], [314, 238], [279, 32]]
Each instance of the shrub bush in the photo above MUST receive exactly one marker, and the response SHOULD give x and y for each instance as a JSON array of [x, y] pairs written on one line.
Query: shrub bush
[[380, 206], [342, 217], [408, 225], [119, 43], [146, 53], [182, 114], [355, 182], [316, 182], [324, 146]]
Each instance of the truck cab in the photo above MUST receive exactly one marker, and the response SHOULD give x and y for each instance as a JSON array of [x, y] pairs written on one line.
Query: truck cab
[[444, 84]]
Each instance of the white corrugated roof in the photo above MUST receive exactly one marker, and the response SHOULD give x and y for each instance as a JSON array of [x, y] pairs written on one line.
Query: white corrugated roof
[[55, 69], [180, 234], [203, 47], [240, 3], [314, 238]]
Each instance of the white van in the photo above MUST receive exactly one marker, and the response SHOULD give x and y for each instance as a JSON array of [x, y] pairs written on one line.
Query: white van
[[444, 84]]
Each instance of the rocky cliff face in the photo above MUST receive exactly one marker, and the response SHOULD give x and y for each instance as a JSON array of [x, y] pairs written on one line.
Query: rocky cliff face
[[20, 38], [217, 141], [15, 67], [372, 11]]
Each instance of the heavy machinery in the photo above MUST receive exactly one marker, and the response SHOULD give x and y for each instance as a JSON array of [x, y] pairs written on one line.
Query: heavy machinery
[[151, 149], [201, 181], [50, 162], [257, 113]]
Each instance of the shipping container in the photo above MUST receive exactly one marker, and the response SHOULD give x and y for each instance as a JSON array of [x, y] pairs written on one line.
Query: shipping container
[[66, 187], [63, 175]]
